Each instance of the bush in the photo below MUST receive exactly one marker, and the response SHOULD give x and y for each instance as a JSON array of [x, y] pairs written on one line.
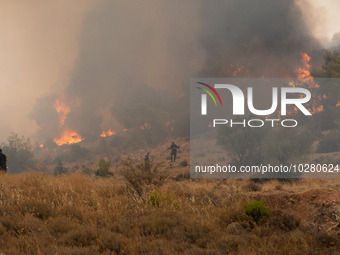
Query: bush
[[113, 242], [252, 187], [243, 144], [141, 177], [184, 163], [283, 221], [104, 168], [257, 210], [157, 199], [37, 209], [59, 226], [284, 145], [82, 236], [87, 171], [329, 143], [60, 169], [327, 240]]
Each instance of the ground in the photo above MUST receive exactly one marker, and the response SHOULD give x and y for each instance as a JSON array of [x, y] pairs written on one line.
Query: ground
[[163, 211]]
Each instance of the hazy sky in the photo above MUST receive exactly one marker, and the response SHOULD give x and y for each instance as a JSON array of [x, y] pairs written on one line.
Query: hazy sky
[[39, 47]]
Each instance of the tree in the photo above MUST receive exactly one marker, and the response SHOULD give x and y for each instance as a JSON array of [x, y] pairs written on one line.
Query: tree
[[60, 169], [253, 146], [331, 66], [243, 143], [19, 153], [284, 145], [330, 90]]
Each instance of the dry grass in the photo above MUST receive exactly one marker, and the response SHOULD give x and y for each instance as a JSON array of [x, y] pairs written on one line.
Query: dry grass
[[75, 214]]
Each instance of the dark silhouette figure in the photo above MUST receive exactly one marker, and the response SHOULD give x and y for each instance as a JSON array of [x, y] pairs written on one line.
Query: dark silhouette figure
[[147, 161], [173, 147], [3, 162]]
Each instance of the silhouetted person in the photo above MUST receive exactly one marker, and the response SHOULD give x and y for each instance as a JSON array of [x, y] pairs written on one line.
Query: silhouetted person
[[173, 149], [3, 162], [147, 161]]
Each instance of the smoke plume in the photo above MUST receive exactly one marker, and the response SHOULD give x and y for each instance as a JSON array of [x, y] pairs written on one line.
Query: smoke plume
[[144, 52]]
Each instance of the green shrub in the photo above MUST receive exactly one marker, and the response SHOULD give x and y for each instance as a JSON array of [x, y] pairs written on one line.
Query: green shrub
[[104, 168], [257, 210], [155, 198]]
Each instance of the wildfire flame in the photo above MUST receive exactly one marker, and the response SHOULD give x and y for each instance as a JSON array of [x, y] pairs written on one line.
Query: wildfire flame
[[68, 137], [108, 133], [41, 146], [63, 109], [303, 72], [306, 80]]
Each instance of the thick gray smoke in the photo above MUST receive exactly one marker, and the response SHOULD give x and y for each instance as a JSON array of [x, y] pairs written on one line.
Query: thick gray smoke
[[264, 37], [144, 53]]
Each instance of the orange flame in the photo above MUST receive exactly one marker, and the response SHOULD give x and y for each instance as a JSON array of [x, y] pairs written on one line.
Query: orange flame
[[62, 109], [108, 133], [306, 59], [41, 146], [305, 79], [338, 104], [68, 137], [303, 72]]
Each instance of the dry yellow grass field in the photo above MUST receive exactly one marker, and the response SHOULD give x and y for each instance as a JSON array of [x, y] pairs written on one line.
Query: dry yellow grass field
[[165, 213]]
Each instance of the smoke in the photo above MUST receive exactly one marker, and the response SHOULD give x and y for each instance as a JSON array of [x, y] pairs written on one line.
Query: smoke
[[38, 48], [144, 52], [262, 37]]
